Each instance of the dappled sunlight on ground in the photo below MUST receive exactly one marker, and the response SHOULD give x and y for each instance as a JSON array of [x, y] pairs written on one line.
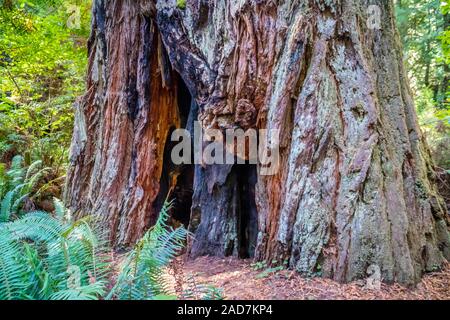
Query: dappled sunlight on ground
[[239, 280]]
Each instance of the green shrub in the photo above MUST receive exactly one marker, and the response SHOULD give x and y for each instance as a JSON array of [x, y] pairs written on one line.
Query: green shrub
[[45, 257], [39, 131], [141, 276], [53, 256], [16, 186], [181, 4]]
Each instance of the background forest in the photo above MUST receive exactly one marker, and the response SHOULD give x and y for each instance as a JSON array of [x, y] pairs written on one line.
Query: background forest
[[43, 60]]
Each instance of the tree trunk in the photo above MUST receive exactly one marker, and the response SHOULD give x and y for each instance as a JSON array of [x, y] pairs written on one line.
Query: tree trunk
[[122, 122], [356, 184]]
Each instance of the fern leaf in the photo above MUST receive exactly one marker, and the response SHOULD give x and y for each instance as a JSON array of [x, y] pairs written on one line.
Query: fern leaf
[[12, 272], [32, 169], [5, 206], [60, 209], [17, 203]]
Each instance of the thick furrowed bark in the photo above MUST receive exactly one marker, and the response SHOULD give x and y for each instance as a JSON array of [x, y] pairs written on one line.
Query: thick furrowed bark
[[356, 183], [122, 122]]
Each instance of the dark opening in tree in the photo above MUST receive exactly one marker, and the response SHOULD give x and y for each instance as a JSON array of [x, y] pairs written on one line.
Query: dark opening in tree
[[176, 182], [248, 213]]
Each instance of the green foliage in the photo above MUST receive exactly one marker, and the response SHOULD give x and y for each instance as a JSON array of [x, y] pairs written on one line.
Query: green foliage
[[435, 123], [54, 257], [141, 277], [45, 257], [16, 186], [268, 270], [57, 258], [445, 37], [37, 130], [42, 54], [422, 24], [201, 291], [213, 293], [181, 4], [259, 265], [424, 29], [43, 58]]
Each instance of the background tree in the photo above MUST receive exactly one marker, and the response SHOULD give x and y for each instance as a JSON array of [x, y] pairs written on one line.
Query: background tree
[[41, 55], [423, 27], [42, 71]]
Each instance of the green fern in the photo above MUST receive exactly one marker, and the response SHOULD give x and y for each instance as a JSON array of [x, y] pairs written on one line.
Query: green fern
[[16, 185], [87, 292], [5, 206], [141, 276], [201, 291], [60, 210], [38, 251], [13, 280]]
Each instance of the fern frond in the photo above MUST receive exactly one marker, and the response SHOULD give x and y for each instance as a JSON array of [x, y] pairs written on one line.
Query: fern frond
[[32, 169], [15, 207], [87, 292], [141, 277], [16, 172], [16, 162], [5, 206], [13, 282], [35, 226], [32, 181], [3, 180]]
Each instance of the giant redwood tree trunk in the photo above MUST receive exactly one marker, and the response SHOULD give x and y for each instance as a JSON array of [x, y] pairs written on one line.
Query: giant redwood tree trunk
[[356, 183]]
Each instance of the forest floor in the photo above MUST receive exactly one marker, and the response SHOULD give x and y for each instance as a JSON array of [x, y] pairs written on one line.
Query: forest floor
[[240, 281]]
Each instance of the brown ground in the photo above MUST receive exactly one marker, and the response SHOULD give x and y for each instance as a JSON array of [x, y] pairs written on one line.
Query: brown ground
[[239, 280]]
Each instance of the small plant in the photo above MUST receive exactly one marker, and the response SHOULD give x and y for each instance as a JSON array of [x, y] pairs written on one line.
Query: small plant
[[181, 4], [16, 186], [267, 271], [201, 291], [45, 257], [259, 265], [53, 257], [142, 273], [213, 293]]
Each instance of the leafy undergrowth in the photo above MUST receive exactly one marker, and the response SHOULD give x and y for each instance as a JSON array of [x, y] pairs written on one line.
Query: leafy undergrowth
[[240, 280], [54, 257]]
